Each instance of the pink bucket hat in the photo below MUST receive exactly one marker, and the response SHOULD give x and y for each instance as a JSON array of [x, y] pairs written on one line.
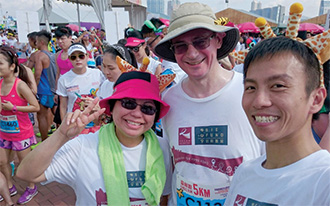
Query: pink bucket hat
[[136, 85]]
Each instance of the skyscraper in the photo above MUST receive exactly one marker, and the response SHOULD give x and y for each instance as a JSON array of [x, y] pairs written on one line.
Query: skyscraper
[[254, 5], [156, 7], [324, 6]]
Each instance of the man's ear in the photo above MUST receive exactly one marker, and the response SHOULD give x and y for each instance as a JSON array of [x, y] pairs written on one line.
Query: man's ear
[[219, 37], [318, 96]]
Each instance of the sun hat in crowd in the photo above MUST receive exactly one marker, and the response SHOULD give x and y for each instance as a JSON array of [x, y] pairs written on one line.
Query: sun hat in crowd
[[77, 47], [136, 85], [190, 16]]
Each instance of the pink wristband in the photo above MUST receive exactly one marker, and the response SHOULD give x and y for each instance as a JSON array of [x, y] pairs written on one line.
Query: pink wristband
[[14, 109]]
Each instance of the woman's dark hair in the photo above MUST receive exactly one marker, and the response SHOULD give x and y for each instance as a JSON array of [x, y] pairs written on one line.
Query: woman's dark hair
[[122, 52], [63, 31], [11, 57]]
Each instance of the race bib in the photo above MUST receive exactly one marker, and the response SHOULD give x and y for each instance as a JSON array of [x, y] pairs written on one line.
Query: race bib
[[9, 124], [189, 193]]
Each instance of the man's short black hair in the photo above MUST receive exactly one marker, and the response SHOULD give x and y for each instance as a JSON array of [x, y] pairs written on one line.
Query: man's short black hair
[[63, 31], [45, 35]]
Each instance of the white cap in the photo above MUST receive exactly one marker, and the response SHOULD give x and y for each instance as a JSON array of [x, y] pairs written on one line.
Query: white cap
[[76, 47]]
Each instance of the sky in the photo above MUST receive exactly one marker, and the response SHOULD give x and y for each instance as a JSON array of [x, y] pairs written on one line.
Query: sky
[[311, 7]]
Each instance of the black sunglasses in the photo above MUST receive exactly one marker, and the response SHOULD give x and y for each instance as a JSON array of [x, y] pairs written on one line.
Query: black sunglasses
[[80, 56], [130, 104], [199, 44], [136, 48]]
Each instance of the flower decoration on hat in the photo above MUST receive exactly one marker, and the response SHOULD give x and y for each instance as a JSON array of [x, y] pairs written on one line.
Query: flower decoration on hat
[[163, 79], [221, 21], [320, 44]]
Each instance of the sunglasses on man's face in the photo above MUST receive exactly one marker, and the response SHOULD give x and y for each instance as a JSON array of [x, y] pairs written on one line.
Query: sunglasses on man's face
[[136, 48], [130, 104], [80, 56], [199, 44]]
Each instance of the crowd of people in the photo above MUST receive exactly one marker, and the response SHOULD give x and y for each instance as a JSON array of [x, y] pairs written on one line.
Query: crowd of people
[[217, 135]]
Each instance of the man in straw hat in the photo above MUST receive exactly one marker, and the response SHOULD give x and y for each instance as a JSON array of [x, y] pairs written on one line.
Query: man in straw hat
[[283, 89], [208, 132]]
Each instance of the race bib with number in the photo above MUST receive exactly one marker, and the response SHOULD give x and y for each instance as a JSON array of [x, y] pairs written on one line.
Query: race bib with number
[[9, 124], [192, 194]]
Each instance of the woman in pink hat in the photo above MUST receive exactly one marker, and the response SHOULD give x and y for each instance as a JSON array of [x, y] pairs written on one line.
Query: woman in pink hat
[[138, 46], [123, 163]]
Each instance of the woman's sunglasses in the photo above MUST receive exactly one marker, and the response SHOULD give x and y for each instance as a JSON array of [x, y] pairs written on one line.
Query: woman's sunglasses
[[80, 56], [136, 48], [131, 105]]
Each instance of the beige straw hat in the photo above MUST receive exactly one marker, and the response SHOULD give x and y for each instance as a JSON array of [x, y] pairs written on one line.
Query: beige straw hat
[[190, 16]]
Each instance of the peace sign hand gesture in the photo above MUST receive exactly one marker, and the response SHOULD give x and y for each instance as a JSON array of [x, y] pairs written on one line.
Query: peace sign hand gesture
[[74, 122]]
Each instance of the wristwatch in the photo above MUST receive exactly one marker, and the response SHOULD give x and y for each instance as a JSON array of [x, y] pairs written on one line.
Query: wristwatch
[[14, 109]]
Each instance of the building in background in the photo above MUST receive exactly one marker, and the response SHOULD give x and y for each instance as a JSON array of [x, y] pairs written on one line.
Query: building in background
[[171, 5], [275, 13], [324, 7], [255, 5], [156, 7]]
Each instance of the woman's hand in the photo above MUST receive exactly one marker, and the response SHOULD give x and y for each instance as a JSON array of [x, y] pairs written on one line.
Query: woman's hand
[[7, 105], [74, 122]]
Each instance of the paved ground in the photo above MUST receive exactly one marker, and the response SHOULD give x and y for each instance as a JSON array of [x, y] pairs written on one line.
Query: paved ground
[[50, 194]]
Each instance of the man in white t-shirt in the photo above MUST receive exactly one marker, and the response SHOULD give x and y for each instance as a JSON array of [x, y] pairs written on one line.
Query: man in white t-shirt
[[283, 89], [207, 129]]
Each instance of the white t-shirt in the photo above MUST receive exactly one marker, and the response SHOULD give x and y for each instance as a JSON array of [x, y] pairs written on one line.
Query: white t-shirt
[[209, 138], [305, 182], [70, 84], [152, 66], [106, 89], [77, 164]]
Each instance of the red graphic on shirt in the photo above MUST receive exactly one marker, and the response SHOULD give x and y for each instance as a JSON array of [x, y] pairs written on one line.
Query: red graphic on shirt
[[239, 201], [101, 197], [185, 136], [226, 166], [79, 103]]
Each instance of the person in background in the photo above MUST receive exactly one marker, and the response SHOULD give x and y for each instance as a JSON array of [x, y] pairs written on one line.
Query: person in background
[[92, 42], [153, 31], [64, 39], [16, 131], [32, 38], [21, 50], [207, 129], [78, 87], [126, 149], [110, 68], [282, 92], [137, 45], [45, 76]]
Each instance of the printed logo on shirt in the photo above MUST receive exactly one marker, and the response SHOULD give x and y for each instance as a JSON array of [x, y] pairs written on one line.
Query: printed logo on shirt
[[240, 201], [72, 88], [214, 135], [226, 166], [135, 178], [185, 136], [95, 83], [101, 197]]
